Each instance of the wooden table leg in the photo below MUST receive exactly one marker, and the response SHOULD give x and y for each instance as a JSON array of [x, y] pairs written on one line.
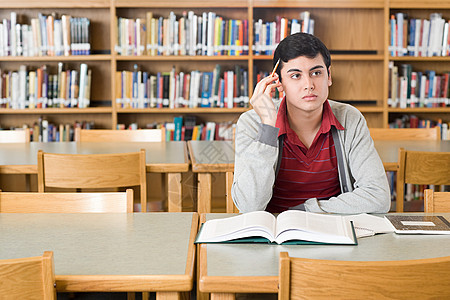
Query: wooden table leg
[[223, 296], [204, 193], [175, 195]]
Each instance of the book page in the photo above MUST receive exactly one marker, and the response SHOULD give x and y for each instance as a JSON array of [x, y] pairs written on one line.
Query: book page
[[295, 224], [368, 225], [258, 223]]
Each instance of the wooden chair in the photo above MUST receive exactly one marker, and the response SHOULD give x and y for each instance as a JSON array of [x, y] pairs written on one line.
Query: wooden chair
[[15, 136], [389, 134], [28, 278], [120, 202], [230, 207], [420, 167], [140, 135], [436, 201], [107, 135], [302, 278], [93, 171]]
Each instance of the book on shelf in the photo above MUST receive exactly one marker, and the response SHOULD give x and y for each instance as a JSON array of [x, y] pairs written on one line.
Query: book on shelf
[[412, 121], [416, 224], [43, 88], [44, 130], [419, 37], [173, 89], [46, 35], [289, 227], [187, 34], [267, 34], [413, 88]]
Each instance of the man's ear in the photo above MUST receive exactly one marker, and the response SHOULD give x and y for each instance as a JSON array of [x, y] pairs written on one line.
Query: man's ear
[[280, 88], [330, 82]]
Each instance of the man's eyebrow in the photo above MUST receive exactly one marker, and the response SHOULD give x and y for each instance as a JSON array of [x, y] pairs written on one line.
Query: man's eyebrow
[[298, 70]]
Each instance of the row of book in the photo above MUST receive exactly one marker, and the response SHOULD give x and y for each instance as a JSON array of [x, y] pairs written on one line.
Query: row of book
[[206, 34], [173, 89], [186, 128], [409, 88], [189, 34], [45, 88], [267, 35], [412, 121], [44, 130], [46, 35], [419, 37]]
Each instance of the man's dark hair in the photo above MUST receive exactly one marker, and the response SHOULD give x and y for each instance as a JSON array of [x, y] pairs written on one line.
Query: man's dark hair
[[300, 44]]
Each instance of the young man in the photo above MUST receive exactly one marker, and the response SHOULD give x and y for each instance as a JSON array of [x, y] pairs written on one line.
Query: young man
[[307, 152]]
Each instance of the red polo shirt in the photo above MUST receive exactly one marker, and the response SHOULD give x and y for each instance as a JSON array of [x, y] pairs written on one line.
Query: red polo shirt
[[305, 173]]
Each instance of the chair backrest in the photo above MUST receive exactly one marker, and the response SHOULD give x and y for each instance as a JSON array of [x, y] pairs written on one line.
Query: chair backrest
[[28, 278], [421, 167], [93, 171], [15, 136], [107, 135], [302, 278], [118, 202], [436, 201], [230, 207], [389, 134]]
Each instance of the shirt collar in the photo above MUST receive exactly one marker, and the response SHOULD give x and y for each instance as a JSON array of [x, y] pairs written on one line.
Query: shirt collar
[[328, 119]]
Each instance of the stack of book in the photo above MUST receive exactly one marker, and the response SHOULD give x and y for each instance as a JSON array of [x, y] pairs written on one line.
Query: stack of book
[[189, 34], [419, 37], [410, 88], [42, 88], [47, 35], [172, 89], [268, 34]]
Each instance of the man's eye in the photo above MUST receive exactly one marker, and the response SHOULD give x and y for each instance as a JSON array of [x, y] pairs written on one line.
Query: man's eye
[[295, 76], [316, 73]]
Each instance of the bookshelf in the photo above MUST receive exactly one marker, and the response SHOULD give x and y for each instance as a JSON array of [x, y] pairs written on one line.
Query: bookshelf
[[356, 32]]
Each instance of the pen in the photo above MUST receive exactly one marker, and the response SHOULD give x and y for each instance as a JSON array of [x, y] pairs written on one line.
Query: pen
[[275, 68]]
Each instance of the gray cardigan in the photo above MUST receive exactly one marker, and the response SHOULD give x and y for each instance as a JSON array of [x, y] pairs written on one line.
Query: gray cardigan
[[364, 184]]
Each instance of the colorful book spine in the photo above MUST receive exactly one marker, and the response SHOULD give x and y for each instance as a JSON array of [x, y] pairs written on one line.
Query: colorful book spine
[[39, 88], [188, 34], [141, 89]]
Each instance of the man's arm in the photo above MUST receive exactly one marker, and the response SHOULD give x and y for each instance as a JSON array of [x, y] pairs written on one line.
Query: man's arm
[[255, 159]]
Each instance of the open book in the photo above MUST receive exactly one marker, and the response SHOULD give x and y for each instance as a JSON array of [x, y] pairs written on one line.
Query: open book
[[414, 224], [290, 227]]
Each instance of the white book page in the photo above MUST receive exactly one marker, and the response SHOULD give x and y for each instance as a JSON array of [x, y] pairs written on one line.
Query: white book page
[[295, 224], [368, 225], [258, 223]]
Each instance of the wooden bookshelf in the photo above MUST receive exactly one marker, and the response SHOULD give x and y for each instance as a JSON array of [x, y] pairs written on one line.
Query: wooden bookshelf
[[358, 27]]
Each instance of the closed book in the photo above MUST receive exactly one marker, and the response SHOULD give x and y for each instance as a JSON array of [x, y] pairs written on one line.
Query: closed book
[[417, 224]]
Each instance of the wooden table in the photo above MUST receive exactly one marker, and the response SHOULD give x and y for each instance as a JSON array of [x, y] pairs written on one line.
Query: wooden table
[[218, 156], [209, 157], [101, 252], [161, 157], [226, 269]]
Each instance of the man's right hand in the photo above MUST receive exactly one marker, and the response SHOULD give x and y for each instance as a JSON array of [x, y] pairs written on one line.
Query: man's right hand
[[262, 99]]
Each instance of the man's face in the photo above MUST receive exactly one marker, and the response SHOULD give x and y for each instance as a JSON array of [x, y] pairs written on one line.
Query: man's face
[[305, 82]]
